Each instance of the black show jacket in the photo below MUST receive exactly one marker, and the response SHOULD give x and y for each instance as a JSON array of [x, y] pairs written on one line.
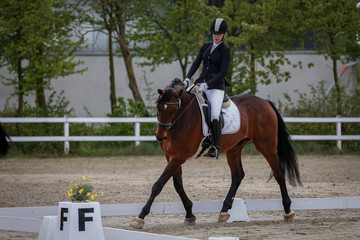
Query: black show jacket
[[215, 66]]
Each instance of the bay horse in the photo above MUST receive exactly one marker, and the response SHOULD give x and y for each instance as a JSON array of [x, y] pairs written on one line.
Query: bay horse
[[4, 145], [179, 133]]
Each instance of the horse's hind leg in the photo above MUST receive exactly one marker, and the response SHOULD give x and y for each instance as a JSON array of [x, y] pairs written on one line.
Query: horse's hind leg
[[178, 184], [279, 173], [237, 174]]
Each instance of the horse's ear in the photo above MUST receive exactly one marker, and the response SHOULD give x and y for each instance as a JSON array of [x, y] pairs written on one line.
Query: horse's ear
[[160, 91], [180, 93]]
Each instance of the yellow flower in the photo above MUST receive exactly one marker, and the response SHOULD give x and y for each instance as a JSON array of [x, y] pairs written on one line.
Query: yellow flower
[[78, 190]]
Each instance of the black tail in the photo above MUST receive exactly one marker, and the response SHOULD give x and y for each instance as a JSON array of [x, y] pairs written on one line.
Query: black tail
[[286, 153], [4, 145]]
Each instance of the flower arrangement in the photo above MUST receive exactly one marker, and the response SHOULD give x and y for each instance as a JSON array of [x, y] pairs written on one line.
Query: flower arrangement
[[82, 191]]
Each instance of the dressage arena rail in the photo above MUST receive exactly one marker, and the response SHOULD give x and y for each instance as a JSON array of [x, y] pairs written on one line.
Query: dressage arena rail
[[137, 124], [29, 219]]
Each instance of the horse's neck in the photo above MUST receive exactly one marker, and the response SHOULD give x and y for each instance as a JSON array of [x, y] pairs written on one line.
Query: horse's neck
[[189, 117]]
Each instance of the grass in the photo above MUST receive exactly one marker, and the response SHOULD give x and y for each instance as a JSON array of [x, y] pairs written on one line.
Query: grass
[[106, 149]]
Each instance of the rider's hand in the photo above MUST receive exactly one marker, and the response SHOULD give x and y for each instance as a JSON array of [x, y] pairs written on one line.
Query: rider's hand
[[203, 87], [186, 83]]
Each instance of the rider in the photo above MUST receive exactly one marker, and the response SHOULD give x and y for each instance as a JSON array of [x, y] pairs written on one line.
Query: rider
[[215, 56]]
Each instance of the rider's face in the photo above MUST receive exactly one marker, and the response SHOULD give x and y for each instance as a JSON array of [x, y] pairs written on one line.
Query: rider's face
[[217, 37]]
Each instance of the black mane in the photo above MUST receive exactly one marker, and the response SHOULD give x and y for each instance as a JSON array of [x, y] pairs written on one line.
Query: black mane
[[176, 81]]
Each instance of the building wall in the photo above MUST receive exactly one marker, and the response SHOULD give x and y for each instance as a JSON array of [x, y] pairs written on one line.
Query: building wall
[[91, 89]]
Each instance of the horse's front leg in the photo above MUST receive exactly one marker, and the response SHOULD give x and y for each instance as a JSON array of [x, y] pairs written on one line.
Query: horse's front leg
[[237, 175], [168, 172], [178, 184]]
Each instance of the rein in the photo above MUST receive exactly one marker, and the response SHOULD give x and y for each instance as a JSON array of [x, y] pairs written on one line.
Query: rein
[[170, 124]]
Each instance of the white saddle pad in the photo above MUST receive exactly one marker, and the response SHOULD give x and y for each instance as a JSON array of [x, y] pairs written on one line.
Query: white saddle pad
[[231, 119]]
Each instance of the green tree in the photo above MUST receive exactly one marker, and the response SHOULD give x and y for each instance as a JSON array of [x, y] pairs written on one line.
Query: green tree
[[112, 17], [259, 32], [171, 30], [13, 45], [336, 24], [103, 21], [37, 45]]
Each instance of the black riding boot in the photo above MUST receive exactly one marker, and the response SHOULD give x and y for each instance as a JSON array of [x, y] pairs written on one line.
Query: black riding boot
[[216, 137]]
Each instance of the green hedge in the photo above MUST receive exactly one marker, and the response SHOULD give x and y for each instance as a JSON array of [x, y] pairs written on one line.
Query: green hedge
[[317, 104]]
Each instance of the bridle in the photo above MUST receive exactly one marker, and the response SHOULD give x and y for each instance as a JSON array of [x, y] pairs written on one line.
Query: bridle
[[170, 124]]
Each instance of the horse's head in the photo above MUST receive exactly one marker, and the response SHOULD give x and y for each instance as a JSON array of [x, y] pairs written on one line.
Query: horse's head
[[168, 104]]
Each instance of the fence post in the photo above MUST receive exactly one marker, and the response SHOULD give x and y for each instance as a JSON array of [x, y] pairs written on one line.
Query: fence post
[[66, 135], [137, 131], [338, 132]]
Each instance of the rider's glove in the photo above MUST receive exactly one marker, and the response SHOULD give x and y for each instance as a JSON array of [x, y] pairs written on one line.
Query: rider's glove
[[186, 83], [203, 87]]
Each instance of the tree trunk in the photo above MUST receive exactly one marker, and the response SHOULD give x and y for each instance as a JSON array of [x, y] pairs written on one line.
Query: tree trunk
[[183, 67], [40, 91], [106, 7], [112, 74], [40, 95], [337, 87], [121, 38], [336, 79], [252, 73], [20, 93]]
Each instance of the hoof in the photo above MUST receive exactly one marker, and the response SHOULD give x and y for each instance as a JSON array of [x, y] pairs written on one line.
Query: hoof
[[137, 223], [223, 217], [189, 221], [289, 217]]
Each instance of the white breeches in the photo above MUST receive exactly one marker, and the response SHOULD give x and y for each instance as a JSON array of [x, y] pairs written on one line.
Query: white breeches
[[215, 97]]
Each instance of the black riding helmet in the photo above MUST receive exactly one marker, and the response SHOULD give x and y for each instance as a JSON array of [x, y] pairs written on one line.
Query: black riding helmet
[[218, 26]]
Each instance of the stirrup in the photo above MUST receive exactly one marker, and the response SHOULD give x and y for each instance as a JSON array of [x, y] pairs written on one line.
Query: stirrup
[[214, 153]]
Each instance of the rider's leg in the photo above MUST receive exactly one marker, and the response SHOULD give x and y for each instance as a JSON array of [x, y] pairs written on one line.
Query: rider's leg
[[216, 136], [215, 97]]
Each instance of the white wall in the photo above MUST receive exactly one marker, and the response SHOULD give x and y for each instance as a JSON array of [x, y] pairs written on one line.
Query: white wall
[[92, 88]]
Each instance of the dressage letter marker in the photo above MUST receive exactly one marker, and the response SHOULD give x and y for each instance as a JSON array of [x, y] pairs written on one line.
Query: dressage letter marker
[[79, 221], [63, 218], [83, 219]]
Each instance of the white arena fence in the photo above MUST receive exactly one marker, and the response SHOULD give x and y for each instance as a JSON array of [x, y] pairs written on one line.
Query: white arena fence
[[66, 138], [29, 219]]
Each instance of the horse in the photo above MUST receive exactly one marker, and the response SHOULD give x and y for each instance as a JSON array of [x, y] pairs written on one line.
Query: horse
[[4, 145], [179, 133]]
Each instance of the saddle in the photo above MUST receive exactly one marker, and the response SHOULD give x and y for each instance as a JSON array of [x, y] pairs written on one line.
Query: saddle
[[229, 117], [206, 106]]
